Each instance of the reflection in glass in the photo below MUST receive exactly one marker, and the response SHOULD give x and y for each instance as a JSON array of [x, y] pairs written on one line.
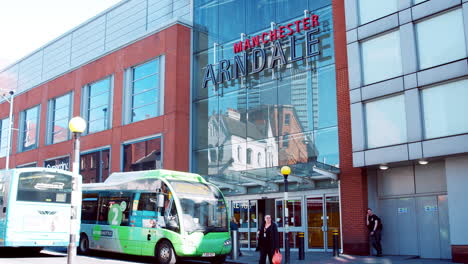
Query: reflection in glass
[[145, 91], [98, 106], [94, 166], [4, 128], [326, 145], [30, 128], [442, 108], [60, 113], [144, 155]]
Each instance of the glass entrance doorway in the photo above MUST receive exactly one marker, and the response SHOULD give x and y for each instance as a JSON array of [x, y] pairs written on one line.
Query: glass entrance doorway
[[316, 216], [246, 213], [323, 217]]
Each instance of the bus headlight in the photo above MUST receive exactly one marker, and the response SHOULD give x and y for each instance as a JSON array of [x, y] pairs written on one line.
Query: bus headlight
[[227, 242]]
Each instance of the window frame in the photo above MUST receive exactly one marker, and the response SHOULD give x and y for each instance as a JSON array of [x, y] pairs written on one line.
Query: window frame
[[51, 109], [129, 86], [22, 131], [85, 103]]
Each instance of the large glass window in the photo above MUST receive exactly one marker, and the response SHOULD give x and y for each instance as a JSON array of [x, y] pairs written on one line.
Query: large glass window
[[94, 166], [29, 128], [146, 91], [441, 39], [444, 108], [143, 155], [381, 57], [4, 128], [371, 10], [59, 116], [386, 121], [97, 97]]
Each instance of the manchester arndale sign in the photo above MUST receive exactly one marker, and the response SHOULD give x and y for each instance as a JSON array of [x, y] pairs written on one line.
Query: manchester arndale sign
[[254, 54]]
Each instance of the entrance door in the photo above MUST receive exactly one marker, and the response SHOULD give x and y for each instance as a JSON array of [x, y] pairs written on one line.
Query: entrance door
[[246, 213], [323, 217], [294, 206]]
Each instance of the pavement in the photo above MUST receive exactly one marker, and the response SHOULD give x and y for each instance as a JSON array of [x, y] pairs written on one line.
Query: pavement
[[251, 257]]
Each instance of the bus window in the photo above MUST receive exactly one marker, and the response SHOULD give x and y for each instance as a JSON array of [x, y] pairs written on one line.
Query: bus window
[[147, 202], [114, 208], [44, 187], [170, 217], [89, 208]]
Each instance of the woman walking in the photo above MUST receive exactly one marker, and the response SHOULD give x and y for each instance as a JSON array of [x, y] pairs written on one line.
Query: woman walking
[[268, 240]]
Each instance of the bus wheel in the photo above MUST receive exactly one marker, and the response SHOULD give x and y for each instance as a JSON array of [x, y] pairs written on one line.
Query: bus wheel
[[165, 253], [218, 260], [83, 247]]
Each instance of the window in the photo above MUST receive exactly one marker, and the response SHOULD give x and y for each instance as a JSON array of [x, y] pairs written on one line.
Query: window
[[371, 9], [381, 57], [89, 208], [114, 208], [249, 156], [59, 116], [286, 140], [287, 119], [146, 93], [259, 159], [385, 121], [441, 39], [239, 150], [96, 102], [445, 109], [29, 128], [4, 127], [143, 155]]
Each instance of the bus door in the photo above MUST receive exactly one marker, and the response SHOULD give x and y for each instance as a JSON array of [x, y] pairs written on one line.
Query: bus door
[[113, 220]]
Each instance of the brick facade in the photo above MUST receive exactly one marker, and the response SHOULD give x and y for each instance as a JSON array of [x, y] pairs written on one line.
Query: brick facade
[[353, 181], [172, 42]]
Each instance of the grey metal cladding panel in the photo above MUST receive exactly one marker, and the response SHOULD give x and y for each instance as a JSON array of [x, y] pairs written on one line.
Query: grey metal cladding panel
[[442, 73], [122, 11], [386, 155], [355, 96], [9, 78], [354, 66], [160, 12], [91, 28], [180, 12], [404, 16], [127, 30], [351, 14], [57, 57], [138, 17], [30, 70], [408, 49], [410, 81], [156, 4], [465, 22], [181, 3], [403, 4], [351, 36], [415, 150], [430, 177], [358, 159], [123, 39], [431, 7], [445, 146], [413, 115], [382, 88], [357, 127], [378, 26]]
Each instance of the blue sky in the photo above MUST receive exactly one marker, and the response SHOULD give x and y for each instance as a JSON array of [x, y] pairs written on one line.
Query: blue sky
[[26, 25]]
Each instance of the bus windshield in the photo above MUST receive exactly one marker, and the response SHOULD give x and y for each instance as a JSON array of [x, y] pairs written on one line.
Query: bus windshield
[[203, 207], [46, 187]]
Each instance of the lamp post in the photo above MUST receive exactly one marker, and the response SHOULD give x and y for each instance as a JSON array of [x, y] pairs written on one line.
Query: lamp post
[[77, 126], [10, 128], [285, 170]]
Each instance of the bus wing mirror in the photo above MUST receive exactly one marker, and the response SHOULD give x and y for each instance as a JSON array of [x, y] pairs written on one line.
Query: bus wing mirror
[[160, 203]]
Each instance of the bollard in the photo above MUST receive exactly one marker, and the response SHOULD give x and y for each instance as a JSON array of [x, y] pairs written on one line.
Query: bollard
[[235, 245], [335, 243], [300, 241]]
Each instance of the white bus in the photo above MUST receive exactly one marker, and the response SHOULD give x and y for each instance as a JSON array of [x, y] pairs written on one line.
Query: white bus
[[35, 207]]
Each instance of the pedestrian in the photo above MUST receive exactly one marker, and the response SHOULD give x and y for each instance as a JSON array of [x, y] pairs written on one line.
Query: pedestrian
[[374, 224], [235, 227], [268, 240]]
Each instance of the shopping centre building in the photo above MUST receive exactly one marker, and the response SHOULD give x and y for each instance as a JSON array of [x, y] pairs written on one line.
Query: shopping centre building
[[363, 100]]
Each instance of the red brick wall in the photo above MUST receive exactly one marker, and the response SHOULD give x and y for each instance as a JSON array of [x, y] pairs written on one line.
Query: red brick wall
[[174, 44], [460, 253], [353, 180]]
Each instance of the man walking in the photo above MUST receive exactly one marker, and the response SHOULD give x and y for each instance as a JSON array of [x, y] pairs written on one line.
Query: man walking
[[374, 224]]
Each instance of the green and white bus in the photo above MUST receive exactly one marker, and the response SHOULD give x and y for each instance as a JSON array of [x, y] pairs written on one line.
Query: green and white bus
[[160, 213], [35, 207]]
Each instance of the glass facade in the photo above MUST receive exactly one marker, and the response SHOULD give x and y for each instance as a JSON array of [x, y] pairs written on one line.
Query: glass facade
[[370, 10], [285, 114], [59, 116], [97, 97], [29, 129]]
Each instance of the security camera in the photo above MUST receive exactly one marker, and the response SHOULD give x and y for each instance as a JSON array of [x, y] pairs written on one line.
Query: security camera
[[11, 92]]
